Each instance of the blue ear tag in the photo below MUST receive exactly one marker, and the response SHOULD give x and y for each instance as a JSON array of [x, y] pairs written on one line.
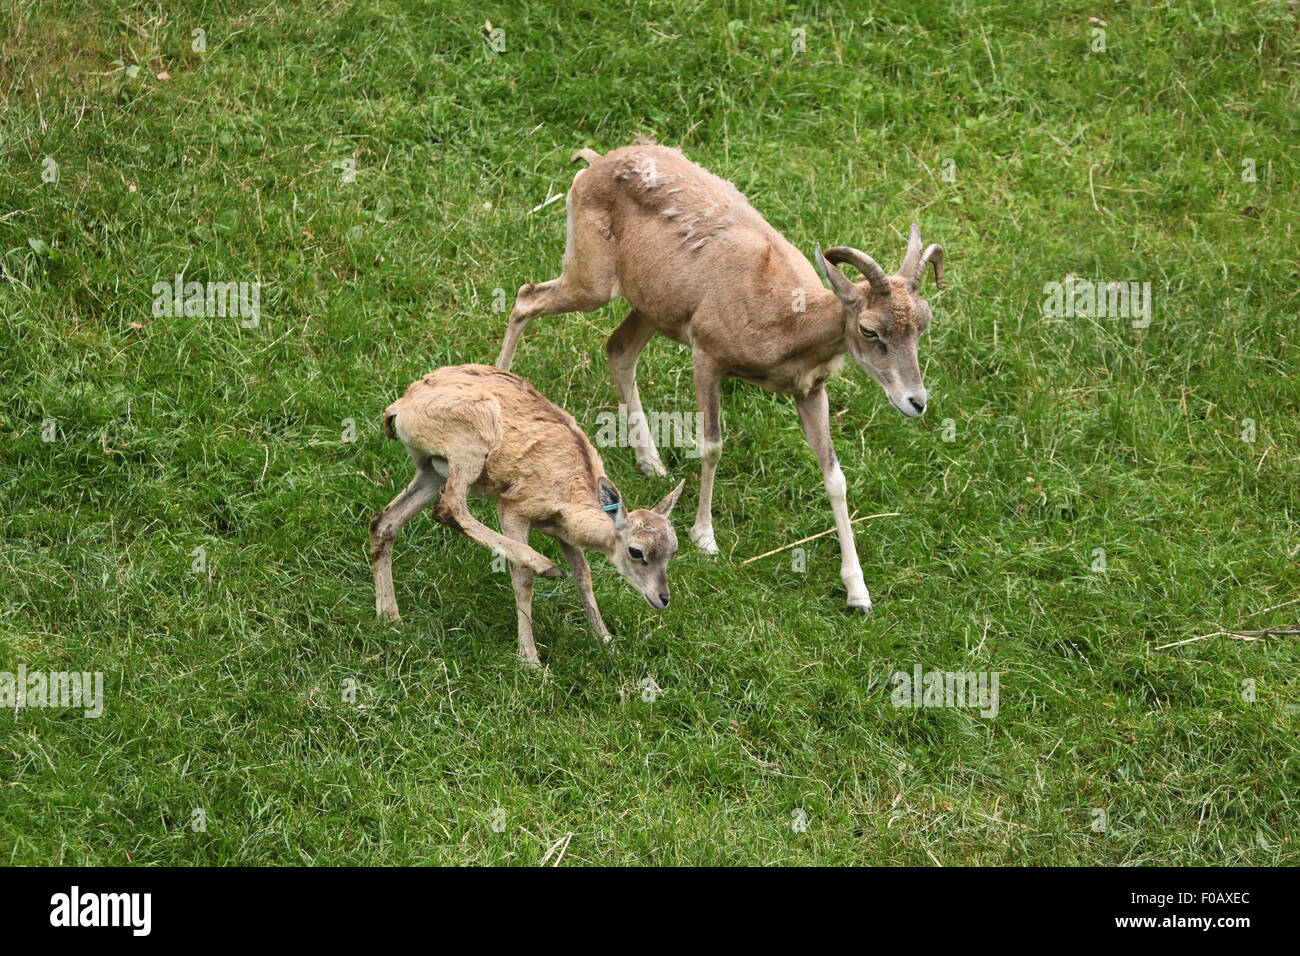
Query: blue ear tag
[[611, 510]]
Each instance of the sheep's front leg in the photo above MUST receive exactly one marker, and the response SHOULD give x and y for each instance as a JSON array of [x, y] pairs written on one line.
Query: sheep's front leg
[[582, 578], [814, 415], [521, 579], [708, 395]]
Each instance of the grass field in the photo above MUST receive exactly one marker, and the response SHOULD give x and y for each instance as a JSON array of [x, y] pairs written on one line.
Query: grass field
[[135, 448]]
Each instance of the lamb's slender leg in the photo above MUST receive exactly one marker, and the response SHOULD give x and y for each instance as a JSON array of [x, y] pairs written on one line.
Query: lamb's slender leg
[[521, 579], [814, 415], [708, 395], [623, 349], [422, 490], [453, 511], [582, 578]]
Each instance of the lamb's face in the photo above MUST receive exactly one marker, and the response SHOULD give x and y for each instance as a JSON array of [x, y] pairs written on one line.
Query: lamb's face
[[644, 543]]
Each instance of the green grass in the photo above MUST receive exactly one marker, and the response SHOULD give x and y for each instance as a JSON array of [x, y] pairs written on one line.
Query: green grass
[[224, 689]]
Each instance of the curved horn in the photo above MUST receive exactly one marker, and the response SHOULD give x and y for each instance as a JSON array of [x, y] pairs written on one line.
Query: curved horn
[[864, 264], [844, 290], [933, 254]]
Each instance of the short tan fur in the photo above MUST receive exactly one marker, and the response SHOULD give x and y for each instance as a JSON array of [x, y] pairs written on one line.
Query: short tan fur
[[475, 429], [700, 266]]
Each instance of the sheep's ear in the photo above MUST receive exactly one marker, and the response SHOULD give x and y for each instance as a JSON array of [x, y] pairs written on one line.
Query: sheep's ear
[[665, 507], [611, 502], [838, 281]]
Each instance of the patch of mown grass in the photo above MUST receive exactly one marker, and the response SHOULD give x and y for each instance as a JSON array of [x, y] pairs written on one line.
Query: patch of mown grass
[[225, 687]]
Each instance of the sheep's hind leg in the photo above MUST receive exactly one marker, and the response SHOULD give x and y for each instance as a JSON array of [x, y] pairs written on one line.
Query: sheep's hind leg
[[623, 349], [453, 511], [544, 298], [384, 527]]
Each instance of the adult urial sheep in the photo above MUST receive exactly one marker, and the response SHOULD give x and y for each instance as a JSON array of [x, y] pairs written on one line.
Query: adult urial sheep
[[699, 265]]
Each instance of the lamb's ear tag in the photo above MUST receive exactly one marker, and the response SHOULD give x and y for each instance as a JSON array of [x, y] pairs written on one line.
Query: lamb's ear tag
[[611, 502]]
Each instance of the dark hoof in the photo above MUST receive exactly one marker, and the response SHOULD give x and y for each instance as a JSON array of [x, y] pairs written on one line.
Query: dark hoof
[[553, 572]]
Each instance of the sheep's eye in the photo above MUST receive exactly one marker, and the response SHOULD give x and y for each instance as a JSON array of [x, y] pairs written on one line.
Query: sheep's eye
[[636, 554], [869, 334]]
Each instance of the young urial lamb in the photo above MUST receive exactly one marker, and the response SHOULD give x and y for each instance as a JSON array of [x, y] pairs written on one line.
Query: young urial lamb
[[474, 429], [699, 265]]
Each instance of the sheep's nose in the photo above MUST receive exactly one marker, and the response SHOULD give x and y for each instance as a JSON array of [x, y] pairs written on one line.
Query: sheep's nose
[[917, 403], [663, 599]]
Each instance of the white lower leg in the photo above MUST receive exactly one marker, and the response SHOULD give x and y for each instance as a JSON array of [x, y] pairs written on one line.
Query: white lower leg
[[702, 531], [641, 439], [850, 568]]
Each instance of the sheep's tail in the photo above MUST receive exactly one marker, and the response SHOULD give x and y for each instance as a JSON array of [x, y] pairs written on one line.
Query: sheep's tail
[[590, 155]]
